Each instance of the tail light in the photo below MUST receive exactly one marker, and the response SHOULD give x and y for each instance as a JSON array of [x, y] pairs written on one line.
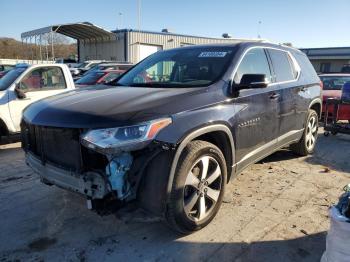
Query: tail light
[[321, 85]]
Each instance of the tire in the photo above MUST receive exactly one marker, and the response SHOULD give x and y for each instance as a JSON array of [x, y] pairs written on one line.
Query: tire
[[307, 143], [199, 195]]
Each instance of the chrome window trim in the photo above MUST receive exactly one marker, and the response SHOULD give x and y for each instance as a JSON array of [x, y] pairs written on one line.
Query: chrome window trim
[[294, 61]]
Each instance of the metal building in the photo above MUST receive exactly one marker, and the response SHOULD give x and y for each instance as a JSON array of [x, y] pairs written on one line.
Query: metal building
[[95, 43], [328, 60]]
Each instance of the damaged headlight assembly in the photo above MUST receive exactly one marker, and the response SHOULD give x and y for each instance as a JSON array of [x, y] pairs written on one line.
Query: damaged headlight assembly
[[116, 144], [121, 139]]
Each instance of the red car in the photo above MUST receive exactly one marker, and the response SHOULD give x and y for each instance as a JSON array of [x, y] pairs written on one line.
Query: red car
[[98, 77], [332, 87]]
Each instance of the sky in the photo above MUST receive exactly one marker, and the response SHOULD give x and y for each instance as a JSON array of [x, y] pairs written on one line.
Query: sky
[[304, 23]]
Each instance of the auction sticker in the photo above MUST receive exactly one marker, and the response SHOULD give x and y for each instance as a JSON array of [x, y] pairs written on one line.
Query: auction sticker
[[212, 54]]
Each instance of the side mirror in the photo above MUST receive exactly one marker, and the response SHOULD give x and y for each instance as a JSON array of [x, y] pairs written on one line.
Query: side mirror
[[249, 81], [19, 93]]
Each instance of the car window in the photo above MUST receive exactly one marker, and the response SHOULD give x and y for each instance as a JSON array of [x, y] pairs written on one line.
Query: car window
[[183, 67], [334, 82], [111, 76], [90, 78], [253, 62], [283, 66], [48, 78], [7, 80]]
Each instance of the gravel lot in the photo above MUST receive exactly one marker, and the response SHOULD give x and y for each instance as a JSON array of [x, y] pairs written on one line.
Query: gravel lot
[[277, 210]]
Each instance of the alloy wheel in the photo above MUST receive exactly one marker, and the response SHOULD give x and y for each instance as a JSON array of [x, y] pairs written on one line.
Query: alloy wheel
[[311, 133], [202, 188]]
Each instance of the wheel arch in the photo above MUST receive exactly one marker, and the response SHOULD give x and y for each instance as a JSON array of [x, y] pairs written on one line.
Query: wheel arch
[[218, 134], [316, 105], [3, 128]]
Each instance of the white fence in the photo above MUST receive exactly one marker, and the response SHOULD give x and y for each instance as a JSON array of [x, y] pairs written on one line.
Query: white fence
[[16, 61]]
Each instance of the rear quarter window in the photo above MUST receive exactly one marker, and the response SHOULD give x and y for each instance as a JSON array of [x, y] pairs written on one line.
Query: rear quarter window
[[283, 66], [307, 70]]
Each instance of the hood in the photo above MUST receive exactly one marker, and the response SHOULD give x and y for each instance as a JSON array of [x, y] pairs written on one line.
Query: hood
[[101, 107]]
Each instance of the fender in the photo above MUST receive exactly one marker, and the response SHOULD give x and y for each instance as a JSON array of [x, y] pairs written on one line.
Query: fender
[[317, 101], [189, 138]]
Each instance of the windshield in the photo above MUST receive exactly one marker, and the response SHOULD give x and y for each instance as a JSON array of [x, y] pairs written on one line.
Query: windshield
[[10, 77], [334, 82], [183, 67], [90, 79]]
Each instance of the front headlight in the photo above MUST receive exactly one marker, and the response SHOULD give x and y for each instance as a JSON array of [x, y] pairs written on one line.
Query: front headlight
[[111, 140]]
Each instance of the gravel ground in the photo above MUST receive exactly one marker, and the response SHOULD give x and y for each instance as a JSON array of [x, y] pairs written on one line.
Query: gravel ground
[[277, 210]]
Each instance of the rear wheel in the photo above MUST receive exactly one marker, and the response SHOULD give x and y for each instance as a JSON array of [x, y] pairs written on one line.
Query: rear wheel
[[198, 187], [307, 143]]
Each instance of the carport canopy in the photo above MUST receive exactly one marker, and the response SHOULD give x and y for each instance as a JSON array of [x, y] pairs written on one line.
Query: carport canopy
[[78, 31]]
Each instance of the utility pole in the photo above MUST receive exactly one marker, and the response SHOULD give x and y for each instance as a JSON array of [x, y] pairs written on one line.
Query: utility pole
[[138, 27], [120, 16], [259, 27]]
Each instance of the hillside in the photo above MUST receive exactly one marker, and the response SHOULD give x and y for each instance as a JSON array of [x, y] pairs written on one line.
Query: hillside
[[12, 49]]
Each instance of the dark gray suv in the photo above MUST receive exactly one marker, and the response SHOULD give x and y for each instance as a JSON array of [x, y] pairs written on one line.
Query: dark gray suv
[[173, 130]]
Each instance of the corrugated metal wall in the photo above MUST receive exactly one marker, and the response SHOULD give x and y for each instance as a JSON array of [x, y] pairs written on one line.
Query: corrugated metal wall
[[102, 49], [166, 41], [114, 49]]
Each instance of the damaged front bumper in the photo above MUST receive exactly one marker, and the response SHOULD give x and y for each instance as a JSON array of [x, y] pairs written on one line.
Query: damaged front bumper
[[90, 184]]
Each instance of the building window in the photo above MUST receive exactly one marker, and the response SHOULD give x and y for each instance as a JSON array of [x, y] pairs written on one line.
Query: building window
[[325, 67]]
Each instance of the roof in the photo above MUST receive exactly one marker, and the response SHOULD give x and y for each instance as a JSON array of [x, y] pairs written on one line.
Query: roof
[[81, 31], [327, 52], [183, 35]]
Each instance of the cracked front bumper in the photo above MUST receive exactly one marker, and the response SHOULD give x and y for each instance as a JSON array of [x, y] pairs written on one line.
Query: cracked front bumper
[[90, 184]]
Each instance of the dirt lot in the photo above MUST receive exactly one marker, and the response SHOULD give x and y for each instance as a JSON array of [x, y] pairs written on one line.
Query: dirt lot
[[275, 211]]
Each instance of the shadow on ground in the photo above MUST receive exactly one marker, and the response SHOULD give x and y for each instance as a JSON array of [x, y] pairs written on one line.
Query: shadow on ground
[[332, 152]]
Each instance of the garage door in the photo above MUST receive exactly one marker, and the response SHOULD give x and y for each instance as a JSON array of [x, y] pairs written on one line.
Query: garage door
[[146, 50]]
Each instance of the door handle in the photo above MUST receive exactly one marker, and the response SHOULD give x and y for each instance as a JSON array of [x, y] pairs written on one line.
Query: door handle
[[303, 89], [274, 96]]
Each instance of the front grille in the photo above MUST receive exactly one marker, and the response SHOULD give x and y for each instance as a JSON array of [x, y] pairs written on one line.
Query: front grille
[[57, 146]]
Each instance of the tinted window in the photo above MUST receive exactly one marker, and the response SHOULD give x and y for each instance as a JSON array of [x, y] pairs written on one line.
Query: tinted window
[[110, 77], [282, 65], [183, 67], [307, 70], [254, 62], [46, 78], [10, 77], [334, 82], [90, 78]]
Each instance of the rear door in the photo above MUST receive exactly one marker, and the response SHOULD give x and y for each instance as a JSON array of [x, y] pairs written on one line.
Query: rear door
[[256, 126], [286, 72], [36, 84]]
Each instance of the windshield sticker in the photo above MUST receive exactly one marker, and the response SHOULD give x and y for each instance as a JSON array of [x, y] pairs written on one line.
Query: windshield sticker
[[212, 54]]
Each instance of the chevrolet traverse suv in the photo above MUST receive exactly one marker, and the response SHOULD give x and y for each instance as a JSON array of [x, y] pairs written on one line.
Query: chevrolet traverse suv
[[176, 127]]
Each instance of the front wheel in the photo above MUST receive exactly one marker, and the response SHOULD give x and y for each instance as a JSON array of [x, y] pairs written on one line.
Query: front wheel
[[198, 187], [307, 143]]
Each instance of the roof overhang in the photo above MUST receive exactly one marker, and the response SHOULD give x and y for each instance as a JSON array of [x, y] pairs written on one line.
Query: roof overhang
[[79, 31]]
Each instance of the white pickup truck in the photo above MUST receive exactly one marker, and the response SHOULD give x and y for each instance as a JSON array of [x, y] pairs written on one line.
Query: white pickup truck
[[26, 84]]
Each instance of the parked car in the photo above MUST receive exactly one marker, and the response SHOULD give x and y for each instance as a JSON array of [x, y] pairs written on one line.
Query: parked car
[[345, 69], [178, 127], [332, 88], [83, 67], [5, 67], [3, 73], [98, 77], [111, 66], [68, 61], [26, 84]]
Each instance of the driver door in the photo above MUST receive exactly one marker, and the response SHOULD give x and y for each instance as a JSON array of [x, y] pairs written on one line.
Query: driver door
[[37, 84]]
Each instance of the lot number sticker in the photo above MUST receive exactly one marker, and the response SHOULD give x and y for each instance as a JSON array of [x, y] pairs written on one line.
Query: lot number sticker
[[212, 54]]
